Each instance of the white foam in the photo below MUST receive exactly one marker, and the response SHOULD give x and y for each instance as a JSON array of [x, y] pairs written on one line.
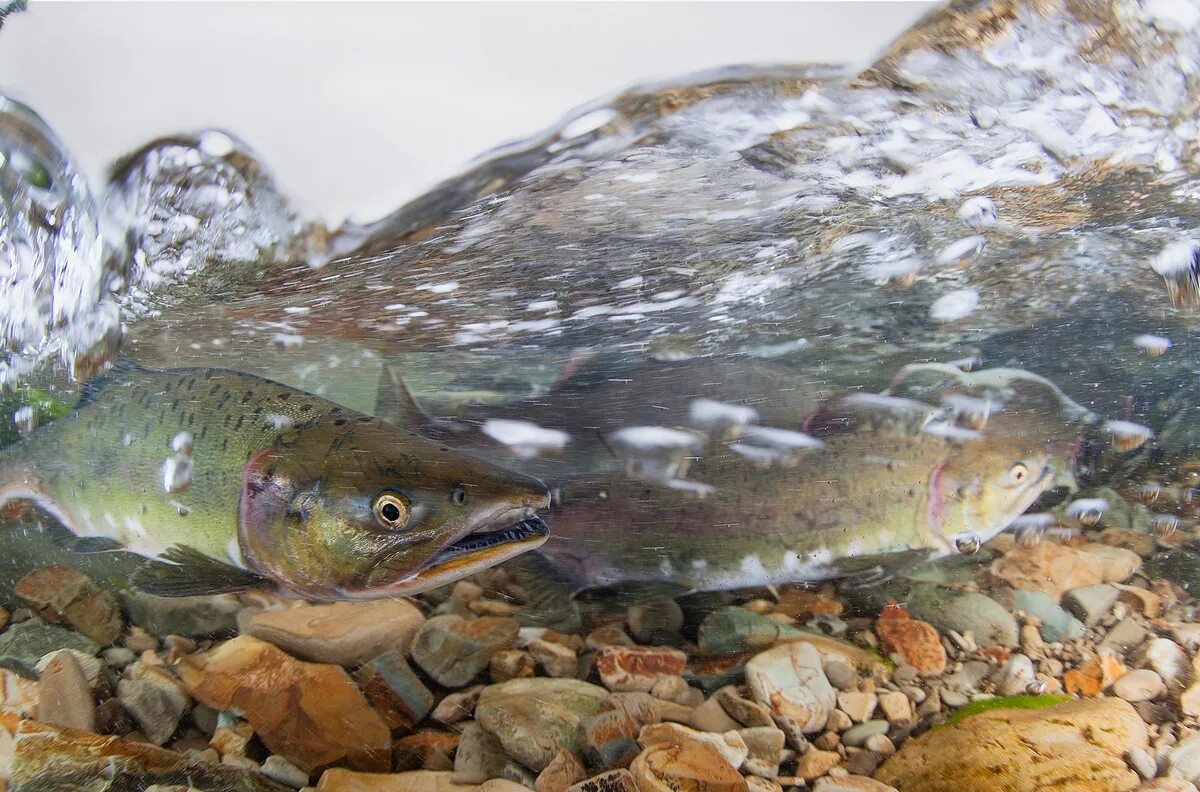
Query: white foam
[[708, 414], [525, 437], [954, 306], [955, 251], [654, 438], [1152, 343], [978, 212], [781, 439]]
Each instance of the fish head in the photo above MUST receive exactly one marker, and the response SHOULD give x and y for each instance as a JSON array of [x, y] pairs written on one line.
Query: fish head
[[367, 510]]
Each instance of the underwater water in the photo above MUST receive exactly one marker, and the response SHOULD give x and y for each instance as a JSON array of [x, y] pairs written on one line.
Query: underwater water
[[770, 428]]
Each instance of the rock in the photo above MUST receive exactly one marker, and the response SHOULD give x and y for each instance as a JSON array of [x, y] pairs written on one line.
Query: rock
[[23, 645], [1183, 760], [642, 707], [815, 763], [801, 604], [395, 692], [1012, 678], [1167, 785], [1118, 564], [916, 642], [764, 750], [564, 770], [624, 668], [712, 717], [1123, 636], [509, 664], [425, 750], [879, 744], [840, 675], [607, 636], [534, 718], [342, 633], [758, 784], [64, 695], [556, 659], [613, 781], [283, 771], [231, 735], [1076, 742], [850, 784], [897, 708], [1142, 762], [691, 767], [1139, 685], [1167, 659], [656, 622], [1049, 568], [61, 594], [857, 736], [195, 617], [457, 706], [857, 705], [989, 622], [341, 780], [729, 745], [678, 690], [453, 650], [156, 700], [1140, 600], [609, 739], [1095, 675], [742, 710], [1089, 604], [479, 756], [789, 682], [1057, 623], [48, 758], [311, 714]]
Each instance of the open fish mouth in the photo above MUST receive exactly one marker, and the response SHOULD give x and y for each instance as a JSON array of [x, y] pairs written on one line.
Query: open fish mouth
[[469, 554]]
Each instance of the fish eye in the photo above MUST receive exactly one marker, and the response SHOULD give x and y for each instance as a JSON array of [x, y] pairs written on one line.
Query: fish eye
[[390, 510], [459, 496], [1018, 472]]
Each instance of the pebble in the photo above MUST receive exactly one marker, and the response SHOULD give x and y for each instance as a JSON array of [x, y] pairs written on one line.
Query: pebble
[[157, 702], [897, 708], [764, 747], [607, 636], [840, 675], [743, 710], [915, 641], [1126, 634], [22, 645], [857, 705], [564, 770], [1050, 568], [1142, 762], [620, 780], [1014, 676], [1090, 604], [1183, 761], [1057, 624], [1118, 564], [850, 784], [478, 756], [425, 750], [677, 690], [1139, 685], [712, 717], [195, 617], [858, 735], [1167, 659], [655, 622], [880, 744], [624, 668], [789, 682], [283, 771], [692, 766], [342, 633], [509, 664], [457, 706], [118, 656], [815, 763], [729, 745], [64, 694], [556, 659], [62, 594], [394, 690], [534, 718], [609, 739], [453, 650]]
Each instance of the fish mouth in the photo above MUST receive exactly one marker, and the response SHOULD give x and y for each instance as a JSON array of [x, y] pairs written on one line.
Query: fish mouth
[[474, 552]]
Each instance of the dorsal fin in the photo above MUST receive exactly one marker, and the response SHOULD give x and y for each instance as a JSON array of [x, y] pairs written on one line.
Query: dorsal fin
[[395, 404], [118, 371]]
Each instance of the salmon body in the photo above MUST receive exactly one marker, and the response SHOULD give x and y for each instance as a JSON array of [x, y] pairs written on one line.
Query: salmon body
[[238, 482]]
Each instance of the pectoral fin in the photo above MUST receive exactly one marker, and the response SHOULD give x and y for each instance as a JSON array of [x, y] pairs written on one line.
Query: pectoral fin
[[191, 573]]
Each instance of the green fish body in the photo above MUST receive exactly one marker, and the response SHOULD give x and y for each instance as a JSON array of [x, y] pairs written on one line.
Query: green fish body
[[223, 472]]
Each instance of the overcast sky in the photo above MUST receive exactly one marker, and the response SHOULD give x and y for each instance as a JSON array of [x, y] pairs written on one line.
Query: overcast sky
[[359, 107]]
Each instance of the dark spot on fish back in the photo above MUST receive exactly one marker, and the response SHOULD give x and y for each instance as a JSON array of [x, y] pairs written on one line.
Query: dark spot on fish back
[[213, 391], [247, 396], [237, 426]]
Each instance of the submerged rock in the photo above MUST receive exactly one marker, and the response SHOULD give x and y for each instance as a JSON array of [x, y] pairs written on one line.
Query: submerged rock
[[62, 594], [23, 645], [534, 718], [453, 650], [788, 680], [343, 633]]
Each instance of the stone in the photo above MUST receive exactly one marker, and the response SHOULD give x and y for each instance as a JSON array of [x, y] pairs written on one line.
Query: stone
[[1050, 568], [897, 708], [789, 682], [425, 750], [815, 763], [840, 675], [743, 710], [557, 660], [231, 736], [1139, 685], [759, 784], [607, 636], [48, 758], [479, 756], [677, 689], [879, 744], [858, 705], [624, 668], [764, 750], [394, 690], [1167, 785], [1118, 563], [655, 622], [457, 706], [534, 718], [453, 650], [1074, 745], [857, 736], [339, 779], [916, 642], [22, 645], [62, 594], [341, 633], [691, 767], [1089, 604], [509, 664], [1167, 659], [642, 707], [612, 781], [64, 694], [850, 784], [564, 770], [609, 739], [311, 714], [283, 771], [1142, 762], [712, 717], [1012, 678], [800, 604], [1094, 676], [1056, 623], [1140, 600], [729, 745], [156, 700], [1124, 636], [195, 617], [1183, 760], [838, 721]]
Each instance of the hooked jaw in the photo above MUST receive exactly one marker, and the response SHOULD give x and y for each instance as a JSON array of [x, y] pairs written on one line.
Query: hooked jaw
[[971, 540]]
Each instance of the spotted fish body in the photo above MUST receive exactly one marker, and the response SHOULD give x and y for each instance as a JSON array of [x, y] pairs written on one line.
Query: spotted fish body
[[258, 476]]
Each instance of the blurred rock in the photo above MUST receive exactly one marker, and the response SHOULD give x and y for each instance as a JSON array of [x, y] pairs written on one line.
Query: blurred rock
[[342, 633], [62, 594]]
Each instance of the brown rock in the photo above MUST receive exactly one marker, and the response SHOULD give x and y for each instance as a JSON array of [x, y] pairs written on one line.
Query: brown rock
[[64, 695], [309, 713], [1167, 785], [512, 664], [342, 633], [1077, 746], [851, 783], [1118, 563], [557, 660], [457, 706], [1049, 568], [916, 642], [764, 746], [1093, 676], [815, 763], [64, 595], [425, 750], [620, 780], [395, 692], [729, 745], [1141, 600], [564, 770], [341, 780], [692, 767], [637, 667], [802, 604]]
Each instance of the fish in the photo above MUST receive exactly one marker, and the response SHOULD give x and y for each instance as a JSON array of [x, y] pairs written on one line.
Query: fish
[[225, 481], [852, 486]]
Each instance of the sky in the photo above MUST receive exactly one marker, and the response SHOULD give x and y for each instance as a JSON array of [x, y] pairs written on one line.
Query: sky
[[359, 107]]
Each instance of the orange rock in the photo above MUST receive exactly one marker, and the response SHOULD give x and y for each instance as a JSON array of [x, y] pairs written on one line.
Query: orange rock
[[800, 604], [309, 713], [1049, 568], [426, 750], [637, 667], [692, 767], [1093, 676], [915, 641]]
